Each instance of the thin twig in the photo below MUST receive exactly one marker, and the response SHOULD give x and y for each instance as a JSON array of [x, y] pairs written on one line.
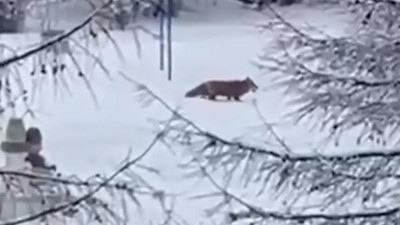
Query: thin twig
[[56, 39]]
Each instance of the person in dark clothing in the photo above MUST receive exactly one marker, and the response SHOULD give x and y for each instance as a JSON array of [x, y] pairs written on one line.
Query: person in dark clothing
[[34, 144]]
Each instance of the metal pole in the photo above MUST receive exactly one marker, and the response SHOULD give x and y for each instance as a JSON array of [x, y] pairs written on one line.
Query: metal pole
[[162, 48], [169, 41]]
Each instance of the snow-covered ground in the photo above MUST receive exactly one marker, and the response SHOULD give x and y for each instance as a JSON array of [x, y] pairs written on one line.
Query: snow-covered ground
[[83, 139]]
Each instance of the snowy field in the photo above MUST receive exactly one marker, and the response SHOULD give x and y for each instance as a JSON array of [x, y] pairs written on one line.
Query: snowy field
[[84, 139]]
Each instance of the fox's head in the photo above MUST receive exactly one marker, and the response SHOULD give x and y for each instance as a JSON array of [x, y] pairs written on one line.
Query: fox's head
[[252, 85]]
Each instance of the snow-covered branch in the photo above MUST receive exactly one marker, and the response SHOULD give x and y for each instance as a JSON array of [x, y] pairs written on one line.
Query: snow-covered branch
[[96, 198], [367, 178], [55, 57], [345, 82], [56, 39], [253, 212]]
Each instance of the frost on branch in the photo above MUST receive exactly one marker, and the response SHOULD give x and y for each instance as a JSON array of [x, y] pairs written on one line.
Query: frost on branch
[[346, 82], [100, 199], [25, 69], [349, 82], [283, 187]]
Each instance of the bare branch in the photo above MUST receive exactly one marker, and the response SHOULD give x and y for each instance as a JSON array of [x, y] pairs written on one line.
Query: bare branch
[[55, 40]]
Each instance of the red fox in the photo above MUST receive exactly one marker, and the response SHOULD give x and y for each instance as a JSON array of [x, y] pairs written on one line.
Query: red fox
[[228, 88]]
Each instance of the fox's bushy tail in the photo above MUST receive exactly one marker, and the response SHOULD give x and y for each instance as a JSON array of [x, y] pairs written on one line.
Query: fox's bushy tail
[[198, 90]]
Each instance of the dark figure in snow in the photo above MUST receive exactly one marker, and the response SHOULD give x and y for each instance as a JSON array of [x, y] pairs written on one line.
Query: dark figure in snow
[[231, 89], [121, 15], [135, 8], [262, 3], [34, 144], [247, 2], [8, 17], [154, 9], [285, 2]]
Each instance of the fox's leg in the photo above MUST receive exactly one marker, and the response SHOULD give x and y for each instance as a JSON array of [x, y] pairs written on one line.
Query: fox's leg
[[228, 97], [237, 98], [211, 97]]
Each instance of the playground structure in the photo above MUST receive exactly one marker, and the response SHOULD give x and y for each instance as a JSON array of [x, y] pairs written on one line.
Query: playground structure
[[20, 196]]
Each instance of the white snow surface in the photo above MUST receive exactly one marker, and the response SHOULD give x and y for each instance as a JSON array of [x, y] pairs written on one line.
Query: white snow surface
[[83, 139]]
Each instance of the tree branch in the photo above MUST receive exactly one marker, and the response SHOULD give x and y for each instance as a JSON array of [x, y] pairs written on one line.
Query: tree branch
[[56, 39], [85, 197]]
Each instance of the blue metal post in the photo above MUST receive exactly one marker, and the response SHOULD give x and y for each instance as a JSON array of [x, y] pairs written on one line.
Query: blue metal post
[[169, 41], [162, 16]]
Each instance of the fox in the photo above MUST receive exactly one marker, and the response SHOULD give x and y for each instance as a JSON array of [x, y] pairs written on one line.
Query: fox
[[229, 88]]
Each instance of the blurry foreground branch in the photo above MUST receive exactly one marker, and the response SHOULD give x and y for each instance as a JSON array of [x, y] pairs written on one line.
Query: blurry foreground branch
[[92, 199], [367, 179]]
